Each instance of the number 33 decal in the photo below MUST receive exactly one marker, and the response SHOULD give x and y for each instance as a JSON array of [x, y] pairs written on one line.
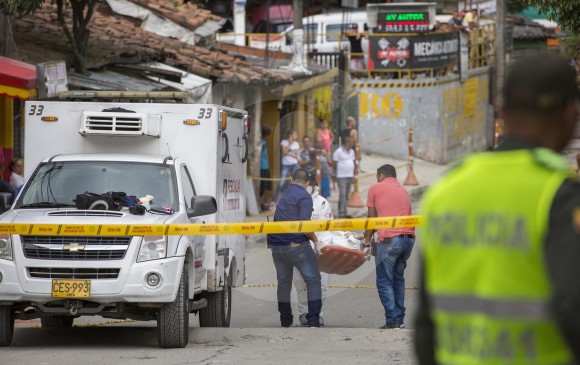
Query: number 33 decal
[[36, 109], [204, 113]]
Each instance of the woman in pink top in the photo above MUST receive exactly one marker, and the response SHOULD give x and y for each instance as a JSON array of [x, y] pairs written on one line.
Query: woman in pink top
[[326, 135]]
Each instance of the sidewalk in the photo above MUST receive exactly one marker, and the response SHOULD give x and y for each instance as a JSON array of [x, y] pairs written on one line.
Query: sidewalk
[[426, 172]]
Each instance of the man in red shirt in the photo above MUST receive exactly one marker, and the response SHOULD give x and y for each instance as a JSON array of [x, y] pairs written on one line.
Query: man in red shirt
[[387, 198]]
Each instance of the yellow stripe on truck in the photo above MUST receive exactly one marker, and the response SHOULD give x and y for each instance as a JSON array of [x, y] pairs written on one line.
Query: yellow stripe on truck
[[246, 228]]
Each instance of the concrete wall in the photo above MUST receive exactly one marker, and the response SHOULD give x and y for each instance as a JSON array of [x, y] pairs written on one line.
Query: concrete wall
[[449, 118]]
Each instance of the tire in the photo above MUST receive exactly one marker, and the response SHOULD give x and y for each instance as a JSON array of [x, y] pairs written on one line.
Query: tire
[[6, 325], [173, 318], [219, 307], [57, 321]]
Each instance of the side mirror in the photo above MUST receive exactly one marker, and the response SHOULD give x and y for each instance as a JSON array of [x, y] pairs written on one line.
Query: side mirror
[[202, 205]]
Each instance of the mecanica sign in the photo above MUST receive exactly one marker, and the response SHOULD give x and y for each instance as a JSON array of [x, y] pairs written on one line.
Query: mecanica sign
[[435, 50]]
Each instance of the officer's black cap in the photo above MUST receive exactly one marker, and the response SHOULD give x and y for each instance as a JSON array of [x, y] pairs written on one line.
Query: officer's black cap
[[541, 83]]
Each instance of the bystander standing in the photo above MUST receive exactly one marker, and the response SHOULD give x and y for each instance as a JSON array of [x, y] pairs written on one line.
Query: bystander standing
[[16, 173], [290, 148], [325, 169], [325, 135], [345, 165], [266, 184]]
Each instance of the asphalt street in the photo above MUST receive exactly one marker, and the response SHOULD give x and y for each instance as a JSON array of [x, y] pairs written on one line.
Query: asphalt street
[[352, 313]]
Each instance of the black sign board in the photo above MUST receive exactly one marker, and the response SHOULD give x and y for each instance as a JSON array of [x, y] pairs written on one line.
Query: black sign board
[[436, 50], [402, 22]]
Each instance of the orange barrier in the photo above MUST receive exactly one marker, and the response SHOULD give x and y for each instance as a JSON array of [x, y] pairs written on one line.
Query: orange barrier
[[411, 178]]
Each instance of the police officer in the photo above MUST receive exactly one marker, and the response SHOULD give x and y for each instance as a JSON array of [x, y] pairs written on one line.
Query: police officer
[[501, 240]]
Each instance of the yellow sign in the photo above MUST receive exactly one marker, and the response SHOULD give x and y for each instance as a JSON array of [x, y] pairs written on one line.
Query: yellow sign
[[323, 103], [245, 228], [373, 105]]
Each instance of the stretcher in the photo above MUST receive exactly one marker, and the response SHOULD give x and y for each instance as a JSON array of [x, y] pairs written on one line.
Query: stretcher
[[340, 260]]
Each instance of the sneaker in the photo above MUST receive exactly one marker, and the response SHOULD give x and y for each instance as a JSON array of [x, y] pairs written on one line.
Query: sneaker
[[304, 321], [390, 326], [402, 325], [286, 324]]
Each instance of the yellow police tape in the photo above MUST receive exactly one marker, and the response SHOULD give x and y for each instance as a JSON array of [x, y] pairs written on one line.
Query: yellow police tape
[[333, 286], [246, 228]]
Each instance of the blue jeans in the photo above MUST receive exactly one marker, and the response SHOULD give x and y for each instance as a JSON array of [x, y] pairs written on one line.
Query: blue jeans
[[287, 170], [391, 261], [304, 259]]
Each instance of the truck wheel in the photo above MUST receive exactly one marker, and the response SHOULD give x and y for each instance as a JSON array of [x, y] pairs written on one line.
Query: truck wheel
[[173, 318], [6, 325], [57, 321], [219, 307]]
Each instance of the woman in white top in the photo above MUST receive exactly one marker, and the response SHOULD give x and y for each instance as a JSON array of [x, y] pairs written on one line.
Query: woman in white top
[[290, 147], [17, 172], [345, 164]]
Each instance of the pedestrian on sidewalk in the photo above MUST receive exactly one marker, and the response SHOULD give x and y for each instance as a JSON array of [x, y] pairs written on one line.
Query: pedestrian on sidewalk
[[304, 161], [293, 250], [325, 169], [345, 165], [350, 130], [501, 237], [266, 184], [321, 210], [290, 147], [387, 198], [326, 135]]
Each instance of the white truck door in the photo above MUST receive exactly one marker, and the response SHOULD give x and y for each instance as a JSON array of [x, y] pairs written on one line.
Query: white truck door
[[198, 253]]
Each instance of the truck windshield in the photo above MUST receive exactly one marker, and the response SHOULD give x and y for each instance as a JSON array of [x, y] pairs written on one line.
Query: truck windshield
[[56, 184]]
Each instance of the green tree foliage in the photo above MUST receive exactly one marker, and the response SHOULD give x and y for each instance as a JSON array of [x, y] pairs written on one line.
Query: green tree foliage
[[19, 7], [564, 12], [78, 35]]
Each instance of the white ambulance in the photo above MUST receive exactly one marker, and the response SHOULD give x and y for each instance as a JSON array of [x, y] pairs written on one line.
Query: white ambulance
[[187, 162]]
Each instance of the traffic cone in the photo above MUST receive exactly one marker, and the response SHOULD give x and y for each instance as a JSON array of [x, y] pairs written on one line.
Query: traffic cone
[[355, 201], [411, 178]]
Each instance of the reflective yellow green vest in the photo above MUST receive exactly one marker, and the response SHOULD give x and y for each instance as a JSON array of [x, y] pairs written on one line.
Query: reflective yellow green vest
[[483, 243]]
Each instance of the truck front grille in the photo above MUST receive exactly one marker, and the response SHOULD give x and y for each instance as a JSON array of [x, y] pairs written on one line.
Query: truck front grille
[[71, 273], [74, 248]]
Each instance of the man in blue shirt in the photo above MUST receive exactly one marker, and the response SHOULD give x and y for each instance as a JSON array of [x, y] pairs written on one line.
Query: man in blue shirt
[[291, 250]]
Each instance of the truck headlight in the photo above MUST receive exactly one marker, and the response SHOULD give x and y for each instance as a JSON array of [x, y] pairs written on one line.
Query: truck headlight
[[5, 247], [152, 248]]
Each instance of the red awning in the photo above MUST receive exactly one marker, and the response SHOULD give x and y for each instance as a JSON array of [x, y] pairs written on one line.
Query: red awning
[[17, 74]]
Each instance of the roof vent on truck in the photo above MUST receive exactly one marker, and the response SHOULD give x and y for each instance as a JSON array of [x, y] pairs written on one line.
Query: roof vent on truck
[[120, 124]]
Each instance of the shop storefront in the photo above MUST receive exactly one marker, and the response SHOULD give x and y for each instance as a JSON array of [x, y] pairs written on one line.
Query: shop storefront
[[17, 82]]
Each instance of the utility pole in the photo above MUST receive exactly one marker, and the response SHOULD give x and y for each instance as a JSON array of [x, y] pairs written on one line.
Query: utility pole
[[298, 63], [500, 55], [240, 22]]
